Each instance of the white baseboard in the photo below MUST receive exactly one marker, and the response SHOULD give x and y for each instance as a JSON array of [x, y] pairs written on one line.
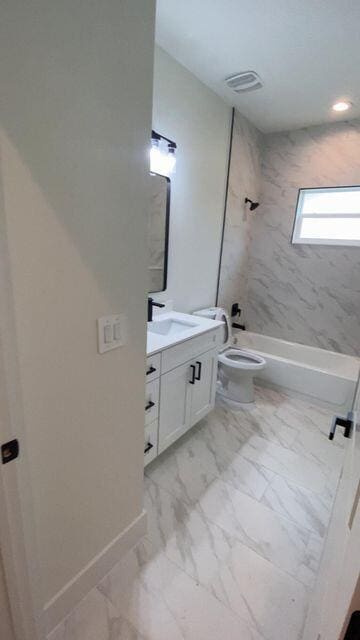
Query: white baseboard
[[74, 591]]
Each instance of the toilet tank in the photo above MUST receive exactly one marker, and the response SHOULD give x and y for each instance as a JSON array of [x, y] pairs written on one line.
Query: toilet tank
[[217, 313]]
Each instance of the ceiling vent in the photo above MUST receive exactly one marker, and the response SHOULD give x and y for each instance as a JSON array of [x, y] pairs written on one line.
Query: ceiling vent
[[244, 81]]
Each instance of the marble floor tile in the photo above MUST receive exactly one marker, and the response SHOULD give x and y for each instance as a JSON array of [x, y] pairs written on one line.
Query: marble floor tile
[[186, 536], [308, 571], [317, 447], [305, 508], [237, 514], [291, 465], [95, 618], [255, 525], [260, 420], [188, 467], [252, 587], [306, 415], [270, 398], [224, 446], [163, 602], [225, 429], [271, 600], [247, 476]]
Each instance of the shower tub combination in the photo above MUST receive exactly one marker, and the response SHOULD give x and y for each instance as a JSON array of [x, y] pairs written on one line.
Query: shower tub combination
[[325, 375]]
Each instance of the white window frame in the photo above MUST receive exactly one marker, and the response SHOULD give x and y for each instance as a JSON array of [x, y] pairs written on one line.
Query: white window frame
[[299, 216]]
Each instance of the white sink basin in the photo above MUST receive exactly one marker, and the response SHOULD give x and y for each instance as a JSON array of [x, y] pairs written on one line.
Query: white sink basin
[[172, 327], [169, 326]]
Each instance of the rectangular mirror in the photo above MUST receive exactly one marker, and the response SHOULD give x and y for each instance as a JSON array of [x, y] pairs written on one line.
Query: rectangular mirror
[[158, 232]]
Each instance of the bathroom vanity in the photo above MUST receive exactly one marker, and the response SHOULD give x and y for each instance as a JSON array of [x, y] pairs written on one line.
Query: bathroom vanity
[[181, 373]]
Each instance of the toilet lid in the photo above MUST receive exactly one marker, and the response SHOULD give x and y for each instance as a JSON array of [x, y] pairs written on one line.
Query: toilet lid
[[239, 359]]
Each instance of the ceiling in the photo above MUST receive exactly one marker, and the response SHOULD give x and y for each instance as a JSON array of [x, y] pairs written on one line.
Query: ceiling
[[307, 52]]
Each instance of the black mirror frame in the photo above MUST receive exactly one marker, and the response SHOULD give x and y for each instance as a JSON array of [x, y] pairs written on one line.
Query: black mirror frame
[[167, 228]]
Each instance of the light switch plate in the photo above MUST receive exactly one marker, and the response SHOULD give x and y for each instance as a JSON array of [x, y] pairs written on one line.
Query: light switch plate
[[111, 332]]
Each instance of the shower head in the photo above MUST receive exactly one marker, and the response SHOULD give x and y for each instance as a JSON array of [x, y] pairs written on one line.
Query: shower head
[[253, 205]]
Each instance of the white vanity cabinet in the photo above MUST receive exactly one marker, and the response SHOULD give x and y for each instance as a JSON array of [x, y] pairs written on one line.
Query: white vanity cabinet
[[187, 395], [203, 391], [175, 408], [152, 397], [186, 390]]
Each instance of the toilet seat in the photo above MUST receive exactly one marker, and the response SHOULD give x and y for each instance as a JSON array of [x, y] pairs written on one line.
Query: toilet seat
[[237, 367], [240, 359]]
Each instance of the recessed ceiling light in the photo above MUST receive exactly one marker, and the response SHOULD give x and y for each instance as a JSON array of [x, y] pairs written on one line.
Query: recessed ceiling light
[[341, 106]]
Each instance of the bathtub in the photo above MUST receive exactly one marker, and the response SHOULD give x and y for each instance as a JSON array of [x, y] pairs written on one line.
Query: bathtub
[[325, 375]]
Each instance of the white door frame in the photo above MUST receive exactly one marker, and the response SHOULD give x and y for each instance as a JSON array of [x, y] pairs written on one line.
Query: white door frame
[[17, 539]]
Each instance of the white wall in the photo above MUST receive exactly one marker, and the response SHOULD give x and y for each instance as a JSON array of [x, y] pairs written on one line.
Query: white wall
[[76, 84], [189, 113]]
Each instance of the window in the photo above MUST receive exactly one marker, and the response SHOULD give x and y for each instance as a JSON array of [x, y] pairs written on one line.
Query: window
[[328, 216]]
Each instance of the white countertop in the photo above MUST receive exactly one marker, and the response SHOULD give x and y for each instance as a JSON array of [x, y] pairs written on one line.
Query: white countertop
[[157, 342]]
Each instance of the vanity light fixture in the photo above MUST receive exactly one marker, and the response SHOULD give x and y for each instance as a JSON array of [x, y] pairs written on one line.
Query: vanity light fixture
[[162, 155], [253, 205], [341, 106]]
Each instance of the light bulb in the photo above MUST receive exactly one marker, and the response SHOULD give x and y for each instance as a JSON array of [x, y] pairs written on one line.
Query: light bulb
[[162, 159], [341, 106]]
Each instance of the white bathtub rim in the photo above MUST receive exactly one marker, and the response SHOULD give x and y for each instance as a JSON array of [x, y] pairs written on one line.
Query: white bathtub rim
[[315, 400], [299, 363]]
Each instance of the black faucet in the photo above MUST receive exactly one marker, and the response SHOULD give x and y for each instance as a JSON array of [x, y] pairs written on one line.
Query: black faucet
[[152, 304]]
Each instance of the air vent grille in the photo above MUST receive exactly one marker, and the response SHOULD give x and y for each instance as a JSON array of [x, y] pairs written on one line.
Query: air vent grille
[[244, 81]]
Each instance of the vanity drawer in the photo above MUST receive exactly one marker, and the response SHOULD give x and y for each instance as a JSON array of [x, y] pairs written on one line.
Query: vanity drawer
[[151, 442], [152, 401], [174, 356], [153, 367]]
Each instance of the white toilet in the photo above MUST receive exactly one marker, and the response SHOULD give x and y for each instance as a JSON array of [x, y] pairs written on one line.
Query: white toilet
[[237, 367]]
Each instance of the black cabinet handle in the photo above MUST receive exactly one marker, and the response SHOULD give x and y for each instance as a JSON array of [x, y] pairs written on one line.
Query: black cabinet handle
[[198, 377], [150, 370], [148, 447], [149, 405], [346, 423], [192, 367]]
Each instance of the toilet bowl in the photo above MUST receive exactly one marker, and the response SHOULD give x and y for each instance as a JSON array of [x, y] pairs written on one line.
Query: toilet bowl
[[237, 367]]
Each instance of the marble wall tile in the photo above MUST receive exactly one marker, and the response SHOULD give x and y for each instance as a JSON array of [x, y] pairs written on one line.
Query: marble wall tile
[[304, 293], [244, 181]]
